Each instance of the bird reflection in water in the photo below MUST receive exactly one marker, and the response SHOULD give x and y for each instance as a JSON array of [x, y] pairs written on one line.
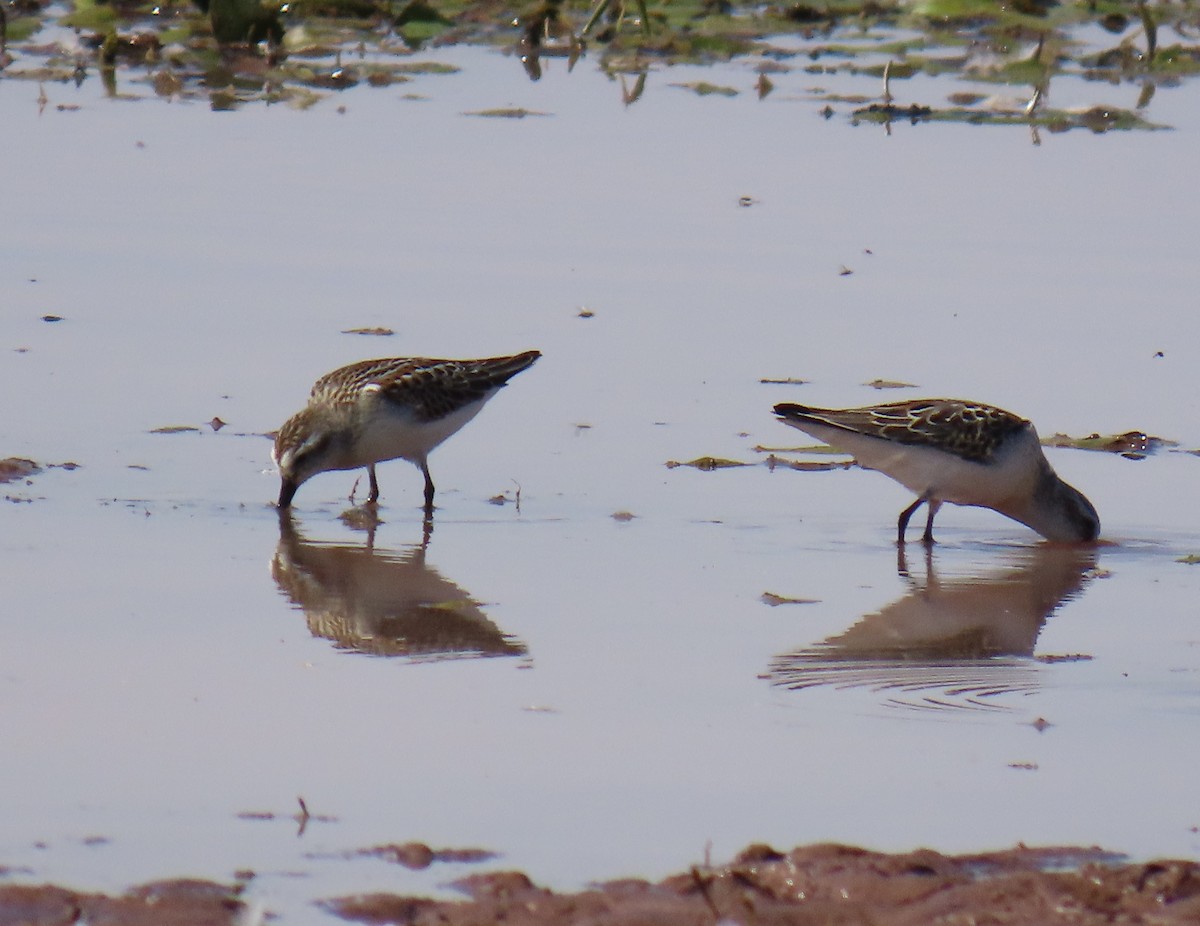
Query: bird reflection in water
[[383, 603], [953, 643]]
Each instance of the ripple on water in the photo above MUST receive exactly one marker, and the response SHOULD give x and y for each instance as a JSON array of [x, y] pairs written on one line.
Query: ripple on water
[[967, 685]]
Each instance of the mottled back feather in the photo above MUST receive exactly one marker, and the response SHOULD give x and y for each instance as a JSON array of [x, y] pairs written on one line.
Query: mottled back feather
[[970, 430], [431, 389]]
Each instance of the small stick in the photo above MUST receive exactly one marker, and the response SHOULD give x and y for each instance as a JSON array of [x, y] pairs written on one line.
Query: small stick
[[302, 816]]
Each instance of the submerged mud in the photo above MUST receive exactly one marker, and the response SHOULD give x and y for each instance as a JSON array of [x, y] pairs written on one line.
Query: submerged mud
[[832, 884], [181, 902], [823, 883]]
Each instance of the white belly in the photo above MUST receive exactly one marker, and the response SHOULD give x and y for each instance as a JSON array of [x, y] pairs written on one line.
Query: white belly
[[931, 473], [391, 432]]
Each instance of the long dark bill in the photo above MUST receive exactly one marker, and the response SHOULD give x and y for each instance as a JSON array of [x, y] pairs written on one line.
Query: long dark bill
[[287, 492]]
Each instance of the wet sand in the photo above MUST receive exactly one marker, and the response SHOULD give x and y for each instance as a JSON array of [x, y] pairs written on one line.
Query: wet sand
[[823, 883]]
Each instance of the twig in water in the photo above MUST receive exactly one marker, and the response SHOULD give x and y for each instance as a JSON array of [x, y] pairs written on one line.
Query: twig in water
[[302, 816]]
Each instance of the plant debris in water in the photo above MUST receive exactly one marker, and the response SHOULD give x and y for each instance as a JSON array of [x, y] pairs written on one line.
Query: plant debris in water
[[14, 468], [418, 856], [770, 598], [239, 52], [517, 113], [372, 332], [707, 464], [808, 466], [1133, 445], [176, 429]]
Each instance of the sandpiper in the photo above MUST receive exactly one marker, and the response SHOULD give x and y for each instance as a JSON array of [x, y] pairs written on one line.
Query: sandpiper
[[377, 410], [966, 453]]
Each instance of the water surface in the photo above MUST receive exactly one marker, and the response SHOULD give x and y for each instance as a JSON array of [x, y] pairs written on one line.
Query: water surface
[[616, 698]]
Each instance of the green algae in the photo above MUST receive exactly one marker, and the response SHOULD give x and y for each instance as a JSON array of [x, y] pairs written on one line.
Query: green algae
[[1025, 46]]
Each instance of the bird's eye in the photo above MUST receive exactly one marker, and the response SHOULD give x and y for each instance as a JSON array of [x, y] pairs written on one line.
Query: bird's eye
[[300, 458]]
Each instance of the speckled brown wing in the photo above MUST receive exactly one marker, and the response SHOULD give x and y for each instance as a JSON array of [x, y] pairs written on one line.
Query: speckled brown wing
[[970, 430], [430, 389], [345, 383]]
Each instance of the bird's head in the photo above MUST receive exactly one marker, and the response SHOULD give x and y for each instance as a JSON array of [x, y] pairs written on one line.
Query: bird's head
[[307, 444], [1063, 514]]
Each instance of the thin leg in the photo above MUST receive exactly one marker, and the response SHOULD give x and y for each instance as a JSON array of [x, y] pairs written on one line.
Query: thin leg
[[374, 496], [428, 489], [905, 515], [934, 505]]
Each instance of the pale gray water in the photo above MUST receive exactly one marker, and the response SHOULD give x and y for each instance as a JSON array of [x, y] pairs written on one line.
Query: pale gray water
[[156, 681]]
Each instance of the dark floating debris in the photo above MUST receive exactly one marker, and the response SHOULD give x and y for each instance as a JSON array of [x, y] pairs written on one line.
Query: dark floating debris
[[371, 332]]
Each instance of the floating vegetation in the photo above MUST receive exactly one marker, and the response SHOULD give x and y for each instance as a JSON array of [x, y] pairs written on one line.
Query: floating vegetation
[[517, 113], [707, 464], [1133, 445], [234, 53], [704, 88], [807, 466], [770, 598], [176, 429]]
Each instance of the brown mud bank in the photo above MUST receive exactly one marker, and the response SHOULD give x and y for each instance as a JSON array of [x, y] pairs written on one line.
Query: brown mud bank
[[833, 884], [812, 884]]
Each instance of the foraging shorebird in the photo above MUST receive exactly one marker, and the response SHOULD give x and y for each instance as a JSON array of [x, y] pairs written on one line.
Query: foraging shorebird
[[378, 410], [965, 453]]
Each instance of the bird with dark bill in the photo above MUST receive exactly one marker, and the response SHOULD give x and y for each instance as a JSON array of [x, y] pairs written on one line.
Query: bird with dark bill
[[377, 410], [965, 453]]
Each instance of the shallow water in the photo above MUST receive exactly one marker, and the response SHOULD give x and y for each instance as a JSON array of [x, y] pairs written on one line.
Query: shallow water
[[616, 698]]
